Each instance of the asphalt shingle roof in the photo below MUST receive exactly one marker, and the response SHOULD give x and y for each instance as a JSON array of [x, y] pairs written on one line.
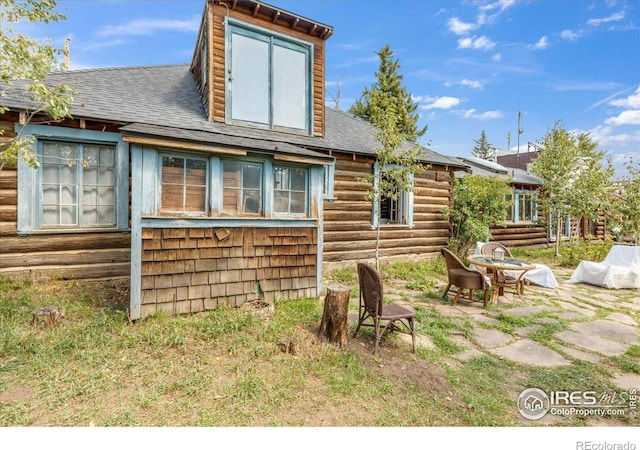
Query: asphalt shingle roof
[[167, 96]]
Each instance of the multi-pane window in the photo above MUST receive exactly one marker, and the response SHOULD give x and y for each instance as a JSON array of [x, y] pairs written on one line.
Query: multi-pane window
[[78, 185], [527, 206], [290, 190], [184, 185], [269, 80], [242, 188], [524, 207]]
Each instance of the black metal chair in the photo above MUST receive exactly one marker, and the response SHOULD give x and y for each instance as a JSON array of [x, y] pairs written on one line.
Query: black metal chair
[[395, 317]]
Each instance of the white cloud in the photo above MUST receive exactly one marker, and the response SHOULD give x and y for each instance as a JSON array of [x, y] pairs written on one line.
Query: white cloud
[[149, 26], [459, 27], [481, 43], [471, 83], [570, 35], [542, 43], [501, 5], [487, 115], [615, 17], [441, 103], [630, 117], [497, 57], [604, 136], [632, 101]]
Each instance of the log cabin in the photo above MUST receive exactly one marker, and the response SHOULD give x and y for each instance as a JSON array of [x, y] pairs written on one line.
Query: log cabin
[[522, 226], [218, 182]]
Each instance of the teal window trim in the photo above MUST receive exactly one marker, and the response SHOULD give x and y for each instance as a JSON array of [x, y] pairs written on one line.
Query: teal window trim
[[329, 182], [405, 204], [306, 191], [29, 179], [515, 208], [151, 198], [185, 156], [272, 39]]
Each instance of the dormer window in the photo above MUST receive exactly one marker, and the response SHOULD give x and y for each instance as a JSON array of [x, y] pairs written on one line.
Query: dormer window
[[268, 79]]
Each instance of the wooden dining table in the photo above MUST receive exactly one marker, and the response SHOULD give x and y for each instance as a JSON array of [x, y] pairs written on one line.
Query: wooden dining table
[[498, 266]]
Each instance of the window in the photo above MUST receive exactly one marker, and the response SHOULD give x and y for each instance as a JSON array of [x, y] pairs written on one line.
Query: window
[[393, 211], [183, 185], [269, 80], [290, 190], [524, 207], [242, 188], [78, 185], [509, 215]]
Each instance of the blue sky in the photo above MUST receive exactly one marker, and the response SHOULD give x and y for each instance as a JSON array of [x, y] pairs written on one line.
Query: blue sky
[[471, 65]]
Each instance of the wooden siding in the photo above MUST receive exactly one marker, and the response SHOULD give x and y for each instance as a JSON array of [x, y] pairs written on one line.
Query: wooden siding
[[195, 269], [84, 255], [348, 234], [520, 235], [217, 93]]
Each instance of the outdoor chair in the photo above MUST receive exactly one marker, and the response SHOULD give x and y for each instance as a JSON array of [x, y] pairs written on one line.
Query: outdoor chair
[[540, 276], [504, 278], [464, 277], [620, 269], [394, 317]]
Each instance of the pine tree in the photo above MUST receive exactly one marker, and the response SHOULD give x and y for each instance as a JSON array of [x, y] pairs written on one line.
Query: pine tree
[[388, 92], [483, 149]]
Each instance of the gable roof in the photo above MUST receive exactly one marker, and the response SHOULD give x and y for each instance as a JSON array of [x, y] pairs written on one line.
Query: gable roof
[[483, 167], [167, 96]]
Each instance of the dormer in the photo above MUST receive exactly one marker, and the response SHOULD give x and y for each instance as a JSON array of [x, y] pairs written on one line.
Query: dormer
[[260, 66]]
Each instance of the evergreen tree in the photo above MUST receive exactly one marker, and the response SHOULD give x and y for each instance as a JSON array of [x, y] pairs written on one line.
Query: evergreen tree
[[389, 93], [483, 149]]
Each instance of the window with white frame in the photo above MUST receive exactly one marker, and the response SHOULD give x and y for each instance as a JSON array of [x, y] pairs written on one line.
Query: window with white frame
[[268, 79], [398, 210], [290, 190], [242, 188], [524, 207], [77, 187], [183, 184]]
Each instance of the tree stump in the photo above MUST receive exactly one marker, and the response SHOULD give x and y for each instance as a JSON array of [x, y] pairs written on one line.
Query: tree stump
[[334, 324], [50, 315]]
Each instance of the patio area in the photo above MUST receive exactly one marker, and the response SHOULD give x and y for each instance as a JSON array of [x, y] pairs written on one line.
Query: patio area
[[545, 328]]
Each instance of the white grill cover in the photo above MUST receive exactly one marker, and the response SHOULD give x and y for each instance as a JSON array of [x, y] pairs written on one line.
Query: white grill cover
[[619, 270]]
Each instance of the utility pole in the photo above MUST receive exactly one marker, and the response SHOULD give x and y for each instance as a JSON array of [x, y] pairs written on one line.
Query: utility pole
[[520, 131]]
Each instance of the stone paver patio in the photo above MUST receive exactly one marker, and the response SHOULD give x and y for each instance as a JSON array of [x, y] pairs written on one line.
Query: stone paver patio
[[592, 323]]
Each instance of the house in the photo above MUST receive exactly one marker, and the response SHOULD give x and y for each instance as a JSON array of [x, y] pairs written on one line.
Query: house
[[522, 227], [582, 227], [218, 182]]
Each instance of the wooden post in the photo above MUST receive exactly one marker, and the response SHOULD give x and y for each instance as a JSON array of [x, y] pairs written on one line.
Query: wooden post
[[334, 324]]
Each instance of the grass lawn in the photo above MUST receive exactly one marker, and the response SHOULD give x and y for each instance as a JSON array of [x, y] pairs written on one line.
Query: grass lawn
[[224, 368]]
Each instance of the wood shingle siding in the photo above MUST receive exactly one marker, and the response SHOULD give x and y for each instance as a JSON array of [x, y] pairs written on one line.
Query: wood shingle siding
[[195, 269]]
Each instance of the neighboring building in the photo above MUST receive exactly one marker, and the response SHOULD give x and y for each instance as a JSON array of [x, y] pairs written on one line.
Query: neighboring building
[[222, 181], [517, 160], [522, 226]]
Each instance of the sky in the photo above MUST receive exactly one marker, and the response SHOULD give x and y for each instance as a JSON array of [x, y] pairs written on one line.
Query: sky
[[471, 66]]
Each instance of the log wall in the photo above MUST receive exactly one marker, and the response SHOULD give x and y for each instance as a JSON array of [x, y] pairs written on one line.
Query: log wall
[[520, 235], [64, 256], [217, 94], [348, 235], [195, 269]]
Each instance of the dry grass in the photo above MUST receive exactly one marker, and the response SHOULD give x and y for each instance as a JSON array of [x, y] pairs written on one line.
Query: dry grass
[[224, 368]]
